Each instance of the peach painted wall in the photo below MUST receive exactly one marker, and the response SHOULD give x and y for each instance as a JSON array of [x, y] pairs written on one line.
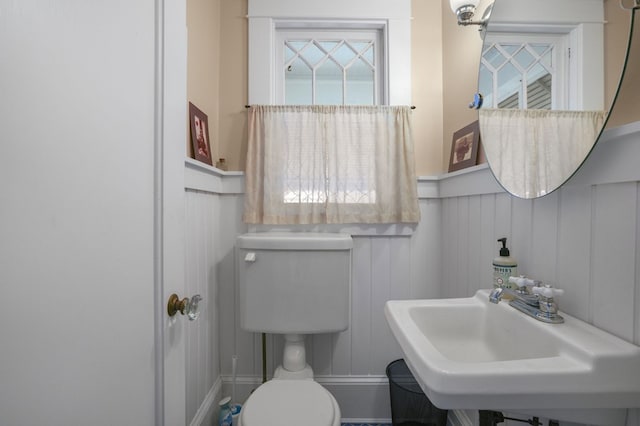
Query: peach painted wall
[[426, 84], [461, 47], [203, 65]]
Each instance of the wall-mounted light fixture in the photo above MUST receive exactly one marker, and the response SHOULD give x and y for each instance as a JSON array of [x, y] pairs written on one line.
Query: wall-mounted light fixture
[[465, 9]]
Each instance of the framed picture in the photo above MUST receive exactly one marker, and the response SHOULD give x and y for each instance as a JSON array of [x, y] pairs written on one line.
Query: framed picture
[[464, 147], [200, 134]]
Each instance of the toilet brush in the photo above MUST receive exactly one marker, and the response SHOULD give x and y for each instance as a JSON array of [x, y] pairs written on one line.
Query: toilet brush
[[235, 408]]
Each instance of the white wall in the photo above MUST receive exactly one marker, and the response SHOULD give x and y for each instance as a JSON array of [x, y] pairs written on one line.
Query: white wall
[[584, 238], [210, 236]]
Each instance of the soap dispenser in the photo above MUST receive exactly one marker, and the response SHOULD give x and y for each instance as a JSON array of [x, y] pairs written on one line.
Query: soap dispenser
[[504, 266]]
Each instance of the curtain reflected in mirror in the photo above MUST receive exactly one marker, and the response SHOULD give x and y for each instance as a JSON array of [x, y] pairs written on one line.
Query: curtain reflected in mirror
[[545, 89]]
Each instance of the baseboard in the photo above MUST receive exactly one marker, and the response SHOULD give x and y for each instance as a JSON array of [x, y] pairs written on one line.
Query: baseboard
[[206, 411], [362, 399]]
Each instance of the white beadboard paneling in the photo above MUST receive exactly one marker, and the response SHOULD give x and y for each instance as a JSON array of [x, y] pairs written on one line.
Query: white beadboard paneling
[[400, 264], [233, 340], [544, 238], [390, 276], [341, 362], [461, 227], [474, 246], [212, 221], [450, 275], [613, 258], [520, 243], [202, 354], [488, 240], [504, 216], [574, 246], [361, 321], [380, 286], [426, 252], [322, 353]]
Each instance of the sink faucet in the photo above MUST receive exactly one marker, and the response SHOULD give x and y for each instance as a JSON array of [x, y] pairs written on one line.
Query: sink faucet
[[522, 292], [531, 298]]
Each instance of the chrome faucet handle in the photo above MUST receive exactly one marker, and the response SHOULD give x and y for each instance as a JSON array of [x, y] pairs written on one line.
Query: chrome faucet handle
[[523, 283], [548, 307], [547, 292]]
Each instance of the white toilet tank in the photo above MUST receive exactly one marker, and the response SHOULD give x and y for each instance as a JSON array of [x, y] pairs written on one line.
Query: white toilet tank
[[294, 283]]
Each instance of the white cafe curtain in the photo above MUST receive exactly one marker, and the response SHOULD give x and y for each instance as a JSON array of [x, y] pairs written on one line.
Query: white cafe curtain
[[330, 164], [532, 152]]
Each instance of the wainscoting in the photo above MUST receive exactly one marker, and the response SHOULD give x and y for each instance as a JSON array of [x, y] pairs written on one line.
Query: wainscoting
[[584, 238]]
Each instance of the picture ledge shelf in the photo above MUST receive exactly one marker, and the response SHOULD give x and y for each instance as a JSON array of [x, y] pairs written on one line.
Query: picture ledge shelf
[[614, 159]]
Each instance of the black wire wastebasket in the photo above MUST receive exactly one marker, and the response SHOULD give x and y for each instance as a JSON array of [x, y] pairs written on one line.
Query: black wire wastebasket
[[409, 405]]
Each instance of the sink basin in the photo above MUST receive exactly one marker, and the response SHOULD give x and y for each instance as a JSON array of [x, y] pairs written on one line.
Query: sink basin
[[468, 353]]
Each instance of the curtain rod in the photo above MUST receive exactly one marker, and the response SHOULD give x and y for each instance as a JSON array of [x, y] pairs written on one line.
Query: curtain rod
[[249, 106]]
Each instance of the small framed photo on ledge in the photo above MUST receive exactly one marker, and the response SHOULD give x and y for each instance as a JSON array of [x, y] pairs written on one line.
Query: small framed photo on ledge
[[464, 147], [200, 134]]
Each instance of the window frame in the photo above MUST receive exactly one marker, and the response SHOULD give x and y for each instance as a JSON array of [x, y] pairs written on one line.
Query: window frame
[[393, 18], [562, 78], [582, 21], [337, 31]]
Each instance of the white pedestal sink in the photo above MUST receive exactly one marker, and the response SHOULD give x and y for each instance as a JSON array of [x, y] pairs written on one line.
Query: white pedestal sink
[[468, 353]]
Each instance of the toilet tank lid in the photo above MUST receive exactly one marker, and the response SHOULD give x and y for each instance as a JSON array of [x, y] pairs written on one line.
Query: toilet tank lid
[[294, 241]]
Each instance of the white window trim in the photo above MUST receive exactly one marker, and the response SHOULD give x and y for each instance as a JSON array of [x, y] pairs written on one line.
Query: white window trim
[[393, 16], [583, 22]]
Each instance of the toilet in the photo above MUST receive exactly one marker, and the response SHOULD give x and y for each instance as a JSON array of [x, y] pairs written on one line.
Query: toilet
[[293, 284]]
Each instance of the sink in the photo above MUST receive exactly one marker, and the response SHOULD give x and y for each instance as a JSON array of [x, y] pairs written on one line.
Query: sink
[[468, 353]]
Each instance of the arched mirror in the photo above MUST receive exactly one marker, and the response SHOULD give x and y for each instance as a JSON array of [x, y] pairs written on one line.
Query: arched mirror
[[549, 74]]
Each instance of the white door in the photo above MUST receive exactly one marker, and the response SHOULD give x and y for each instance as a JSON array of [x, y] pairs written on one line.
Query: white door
[[87, 244], [174, 129]]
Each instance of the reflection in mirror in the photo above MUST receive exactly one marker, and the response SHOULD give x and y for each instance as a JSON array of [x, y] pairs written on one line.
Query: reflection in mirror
[[542, 76], [626, 109]]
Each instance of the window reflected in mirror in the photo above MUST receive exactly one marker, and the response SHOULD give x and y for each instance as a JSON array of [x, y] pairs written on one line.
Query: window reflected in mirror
[[523, 74]]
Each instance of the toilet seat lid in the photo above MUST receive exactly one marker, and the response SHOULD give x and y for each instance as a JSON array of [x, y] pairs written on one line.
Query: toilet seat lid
[[289, 402]]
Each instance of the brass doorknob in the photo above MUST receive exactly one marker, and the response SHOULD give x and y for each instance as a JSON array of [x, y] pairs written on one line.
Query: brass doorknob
[[186, 306]]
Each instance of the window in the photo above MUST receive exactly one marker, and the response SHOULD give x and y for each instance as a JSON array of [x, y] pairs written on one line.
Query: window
[[306, 65], [391, 20], [329, 67], [575, 61], [524, 72]]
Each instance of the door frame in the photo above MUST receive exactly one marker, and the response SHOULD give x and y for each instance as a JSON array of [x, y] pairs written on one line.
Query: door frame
[[170, 109]]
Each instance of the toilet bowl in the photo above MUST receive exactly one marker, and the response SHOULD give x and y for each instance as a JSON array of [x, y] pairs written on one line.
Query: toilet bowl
[[293, 284], [290, 402]]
